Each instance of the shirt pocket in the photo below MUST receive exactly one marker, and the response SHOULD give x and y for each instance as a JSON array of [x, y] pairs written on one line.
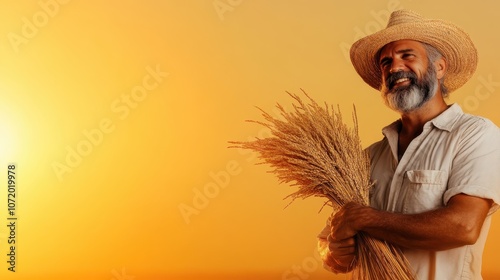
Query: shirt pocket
[[424, 190]]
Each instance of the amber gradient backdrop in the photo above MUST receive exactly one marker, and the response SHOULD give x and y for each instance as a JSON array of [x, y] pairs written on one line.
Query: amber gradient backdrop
[[118, 113]]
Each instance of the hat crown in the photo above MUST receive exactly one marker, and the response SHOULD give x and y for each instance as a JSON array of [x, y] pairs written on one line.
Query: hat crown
[[403, 16]]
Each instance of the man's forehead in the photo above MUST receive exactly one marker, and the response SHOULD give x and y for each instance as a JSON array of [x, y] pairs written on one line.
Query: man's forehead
[[399, 45]]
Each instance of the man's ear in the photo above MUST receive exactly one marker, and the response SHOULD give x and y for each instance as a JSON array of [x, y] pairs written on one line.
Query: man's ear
[[440, 65]]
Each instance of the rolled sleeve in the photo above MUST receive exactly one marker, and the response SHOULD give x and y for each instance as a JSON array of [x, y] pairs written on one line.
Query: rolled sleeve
[[476, 166]]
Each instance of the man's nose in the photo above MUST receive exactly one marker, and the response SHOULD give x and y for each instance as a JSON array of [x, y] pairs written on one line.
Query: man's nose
[[396, 66]]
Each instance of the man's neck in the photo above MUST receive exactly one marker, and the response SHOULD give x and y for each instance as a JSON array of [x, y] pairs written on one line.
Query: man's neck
[[412, 123]]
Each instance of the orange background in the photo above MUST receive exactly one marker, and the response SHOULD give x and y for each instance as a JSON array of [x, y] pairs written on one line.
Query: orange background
[[110, 173]]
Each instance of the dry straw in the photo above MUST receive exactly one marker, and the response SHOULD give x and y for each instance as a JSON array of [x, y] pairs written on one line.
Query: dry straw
[[313, 149]]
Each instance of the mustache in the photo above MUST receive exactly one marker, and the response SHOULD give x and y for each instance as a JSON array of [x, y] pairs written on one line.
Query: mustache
[[392, 78]]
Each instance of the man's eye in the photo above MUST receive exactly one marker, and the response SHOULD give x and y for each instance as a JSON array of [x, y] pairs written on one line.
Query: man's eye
[[384, 63]]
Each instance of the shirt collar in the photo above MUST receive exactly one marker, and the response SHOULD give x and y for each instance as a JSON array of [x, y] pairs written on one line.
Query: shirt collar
[[445, 121]]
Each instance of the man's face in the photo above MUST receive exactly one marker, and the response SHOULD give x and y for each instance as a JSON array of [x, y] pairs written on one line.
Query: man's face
[[408, 79]]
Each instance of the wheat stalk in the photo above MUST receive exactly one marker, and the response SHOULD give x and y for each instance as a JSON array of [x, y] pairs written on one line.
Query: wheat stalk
[[313, 149]]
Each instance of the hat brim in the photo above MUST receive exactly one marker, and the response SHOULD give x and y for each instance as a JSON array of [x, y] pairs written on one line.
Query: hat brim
[[452, 42]]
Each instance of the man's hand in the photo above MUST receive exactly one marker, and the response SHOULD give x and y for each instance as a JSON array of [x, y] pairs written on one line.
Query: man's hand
[[341, 254], [345, 222], [341, 242]]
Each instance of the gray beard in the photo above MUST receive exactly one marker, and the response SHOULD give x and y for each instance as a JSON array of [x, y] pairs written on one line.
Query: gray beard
[[414, 96]]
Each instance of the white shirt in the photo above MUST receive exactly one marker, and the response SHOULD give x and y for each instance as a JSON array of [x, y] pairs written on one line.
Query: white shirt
[[455, 153]]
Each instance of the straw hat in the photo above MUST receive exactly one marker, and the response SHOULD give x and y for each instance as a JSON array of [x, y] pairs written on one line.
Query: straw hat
[[451, 41]]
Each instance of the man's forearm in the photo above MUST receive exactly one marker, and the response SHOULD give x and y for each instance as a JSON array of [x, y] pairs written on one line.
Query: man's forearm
[[429, 231], [455, 225]]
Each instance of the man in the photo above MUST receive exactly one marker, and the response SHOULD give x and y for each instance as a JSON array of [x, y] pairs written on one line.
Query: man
[[437, 170]]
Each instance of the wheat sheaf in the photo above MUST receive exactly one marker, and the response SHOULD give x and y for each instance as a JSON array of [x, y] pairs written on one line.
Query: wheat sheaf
[[311, 148]]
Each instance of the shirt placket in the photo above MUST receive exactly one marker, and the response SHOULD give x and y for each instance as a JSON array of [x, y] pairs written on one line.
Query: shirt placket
[[405, 164]]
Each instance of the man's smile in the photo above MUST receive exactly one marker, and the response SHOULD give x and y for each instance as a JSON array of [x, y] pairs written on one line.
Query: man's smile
[[401, 82]]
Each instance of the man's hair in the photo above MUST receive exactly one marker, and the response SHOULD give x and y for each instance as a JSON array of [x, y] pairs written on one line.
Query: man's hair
[[432, 55]]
